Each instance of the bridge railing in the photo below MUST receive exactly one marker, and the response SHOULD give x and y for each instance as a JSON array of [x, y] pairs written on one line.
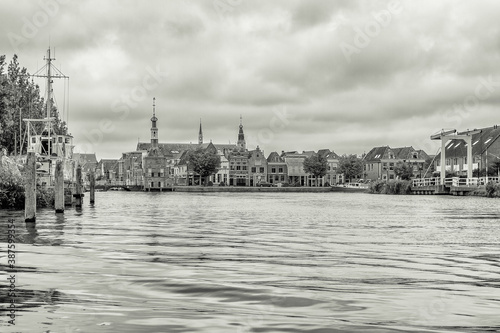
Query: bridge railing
[[455, 181], [426, 181]]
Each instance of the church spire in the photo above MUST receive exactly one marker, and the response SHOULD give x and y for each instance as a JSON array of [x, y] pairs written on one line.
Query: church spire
[[241, 136], [154, 129], [200, 135]]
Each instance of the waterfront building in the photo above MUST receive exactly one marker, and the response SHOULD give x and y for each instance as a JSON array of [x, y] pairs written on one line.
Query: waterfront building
[[132, 168], [257, 167], [379, 163], [295, 167], [332, 176], [485, 152], [155, 163], [277, 171], [106, 172], [238, 161], [88, 162]]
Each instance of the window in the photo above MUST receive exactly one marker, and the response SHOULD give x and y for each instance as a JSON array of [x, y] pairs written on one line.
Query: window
[[159, 184], [261, 170], [161, 172], [152, 184], [280, 170], [273, 170], [253, 169], [391, 176], [244, 167], [60, 139], [150, 172], [67, 140], [238, 167], [33, 140]]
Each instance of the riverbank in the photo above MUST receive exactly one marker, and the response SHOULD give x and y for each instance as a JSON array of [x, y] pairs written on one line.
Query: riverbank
[[397, 187], [212, 189]]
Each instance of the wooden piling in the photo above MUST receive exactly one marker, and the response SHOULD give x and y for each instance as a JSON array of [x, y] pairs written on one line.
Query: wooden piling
[[78, 189], [30, 188], [59, 187], [92, 187]]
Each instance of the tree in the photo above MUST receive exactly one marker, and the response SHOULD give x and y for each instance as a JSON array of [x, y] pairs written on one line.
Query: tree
[[403, 170], [315, 165], [204, 162], [20, 98], [351, 166]]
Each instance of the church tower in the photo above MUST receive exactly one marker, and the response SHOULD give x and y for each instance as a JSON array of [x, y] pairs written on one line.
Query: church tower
[[241, 137], [154, 129], [200, 135]]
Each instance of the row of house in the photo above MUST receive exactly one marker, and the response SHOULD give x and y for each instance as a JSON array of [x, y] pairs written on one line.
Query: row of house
[[380, 162], [155, 166]]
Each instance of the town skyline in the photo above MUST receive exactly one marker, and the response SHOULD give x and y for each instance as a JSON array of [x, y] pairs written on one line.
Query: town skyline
[[351, 75]]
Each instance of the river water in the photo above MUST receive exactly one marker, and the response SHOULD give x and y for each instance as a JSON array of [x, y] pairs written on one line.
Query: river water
[[258, 262]]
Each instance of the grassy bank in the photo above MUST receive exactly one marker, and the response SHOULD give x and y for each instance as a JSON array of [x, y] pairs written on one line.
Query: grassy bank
[[391, 187], [491, 190]]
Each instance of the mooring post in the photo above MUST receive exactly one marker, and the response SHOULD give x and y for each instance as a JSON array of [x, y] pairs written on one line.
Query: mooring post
[[30, 188], [79, 191], [59, 187], [92, 187]]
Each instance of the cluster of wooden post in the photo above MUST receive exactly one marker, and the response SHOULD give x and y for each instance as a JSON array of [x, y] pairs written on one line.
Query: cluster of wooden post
[[59, 195]]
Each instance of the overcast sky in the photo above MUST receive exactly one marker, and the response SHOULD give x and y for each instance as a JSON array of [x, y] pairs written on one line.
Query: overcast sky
[[304, 75]]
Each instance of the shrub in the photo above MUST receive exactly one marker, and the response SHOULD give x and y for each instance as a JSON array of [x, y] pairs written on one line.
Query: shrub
[[327, 184], [392, 187], [222, 184]]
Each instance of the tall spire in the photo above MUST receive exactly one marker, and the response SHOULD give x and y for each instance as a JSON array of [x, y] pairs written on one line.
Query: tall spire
[[154, 129], [241, 136], [200, 135]]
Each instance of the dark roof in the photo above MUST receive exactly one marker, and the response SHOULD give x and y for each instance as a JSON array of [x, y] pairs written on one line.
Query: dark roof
[[324, 152], [400, 153], [480, 142], [85, 158], [332, 155], [167, 149], [274, 157], [377, 153], [108, 163]]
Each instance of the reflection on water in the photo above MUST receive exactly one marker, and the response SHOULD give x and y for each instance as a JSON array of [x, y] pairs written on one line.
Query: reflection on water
[[258, 262]]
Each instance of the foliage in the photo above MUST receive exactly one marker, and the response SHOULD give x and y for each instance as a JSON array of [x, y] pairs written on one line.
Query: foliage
[[403, 170], [204, 162], [429, 167], [391, 187], [315, 165], [351, 166], [222, 184], [20, 97]]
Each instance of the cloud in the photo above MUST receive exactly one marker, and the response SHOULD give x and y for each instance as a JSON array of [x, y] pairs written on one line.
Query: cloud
[[251, 57]]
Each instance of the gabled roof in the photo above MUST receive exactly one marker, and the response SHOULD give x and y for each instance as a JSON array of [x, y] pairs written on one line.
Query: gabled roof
[[85, 158], [332, 155], [480, 142], [324, 152], [108, 164], [274, 157], [377, 153], [166, 149]]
